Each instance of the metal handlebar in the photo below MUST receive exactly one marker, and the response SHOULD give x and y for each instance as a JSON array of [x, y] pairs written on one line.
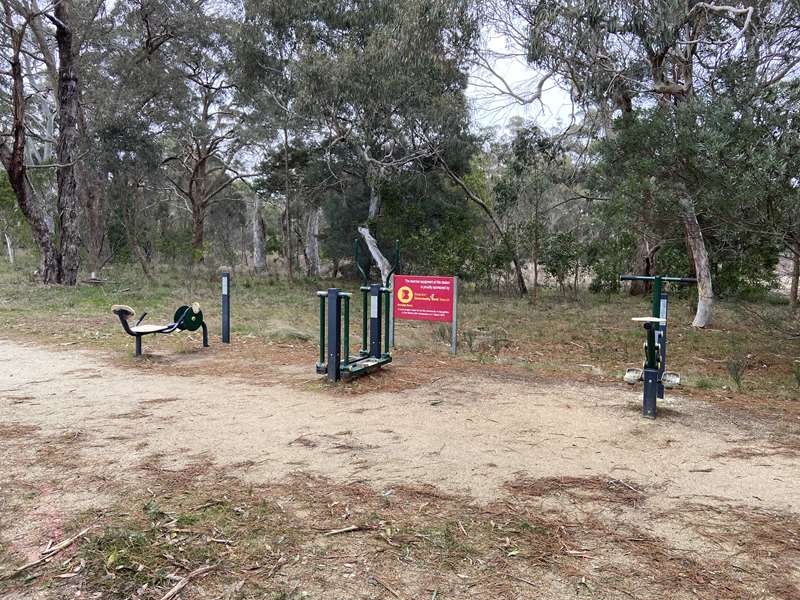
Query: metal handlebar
[[686, 280]]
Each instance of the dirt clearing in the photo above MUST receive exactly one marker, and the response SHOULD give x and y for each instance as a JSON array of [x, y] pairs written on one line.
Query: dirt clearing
[[556, 482]]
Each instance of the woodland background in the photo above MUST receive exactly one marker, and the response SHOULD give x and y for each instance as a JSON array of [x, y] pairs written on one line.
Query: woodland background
[[268, 135]]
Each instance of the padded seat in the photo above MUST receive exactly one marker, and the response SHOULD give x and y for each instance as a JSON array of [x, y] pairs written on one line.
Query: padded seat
[[149, 328]]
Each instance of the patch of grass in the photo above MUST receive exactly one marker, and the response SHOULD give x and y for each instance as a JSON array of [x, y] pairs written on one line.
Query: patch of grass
[[553, 335], [737, 365], [707, 383]]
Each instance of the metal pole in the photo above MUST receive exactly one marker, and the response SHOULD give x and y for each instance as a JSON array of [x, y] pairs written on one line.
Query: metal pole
[[334, 335], [387, 320], [390, 299], [454, 324], [364, 320], [651, 331], [375, 320], [321, 328], [661, 338], [346, 331], [226, 308]]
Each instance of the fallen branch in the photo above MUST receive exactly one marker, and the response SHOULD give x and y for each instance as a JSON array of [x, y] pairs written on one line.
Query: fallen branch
[[48, 553], [343, 530], [530, 583], [386, 587], [185, 581], [630, 487]]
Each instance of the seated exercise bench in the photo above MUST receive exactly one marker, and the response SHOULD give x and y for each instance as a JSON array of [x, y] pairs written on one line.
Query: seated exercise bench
[[187, 318]]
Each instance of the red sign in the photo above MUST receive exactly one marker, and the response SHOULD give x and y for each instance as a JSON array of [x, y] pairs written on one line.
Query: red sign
[[423, 298]]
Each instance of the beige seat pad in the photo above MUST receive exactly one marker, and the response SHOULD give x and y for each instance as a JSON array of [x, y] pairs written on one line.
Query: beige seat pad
[[148, 328]]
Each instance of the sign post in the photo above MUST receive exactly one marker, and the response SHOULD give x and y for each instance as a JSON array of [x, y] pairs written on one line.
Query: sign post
[[454, 324], [226, 307], [427, 298]]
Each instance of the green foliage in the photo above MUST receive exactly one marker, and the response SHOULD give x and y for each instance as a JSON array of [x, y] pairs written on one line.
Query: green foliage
[[561, 255]]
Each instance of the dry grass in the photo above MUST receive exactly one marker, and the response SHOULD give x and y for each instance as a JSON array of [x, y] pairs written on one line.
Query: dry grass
[[276, 320], [275, 541]]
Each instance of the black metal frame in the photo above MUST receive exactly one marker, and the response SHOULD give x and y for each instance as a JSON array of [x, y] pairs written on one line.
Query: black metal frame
[[124, 315]]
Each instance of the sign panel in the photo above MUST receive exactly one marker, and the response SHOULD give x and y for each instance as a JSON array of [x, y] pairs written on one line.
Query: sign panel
[[424, 298]]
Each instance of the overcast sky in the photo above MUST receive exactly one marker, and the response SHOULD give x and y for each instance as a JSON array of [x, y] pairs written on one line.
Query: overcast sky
[[492, 109]]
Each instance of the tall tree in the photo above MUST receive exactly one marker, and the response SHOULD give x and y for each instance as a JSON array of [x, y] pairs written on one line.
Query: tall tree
[[620, 56]]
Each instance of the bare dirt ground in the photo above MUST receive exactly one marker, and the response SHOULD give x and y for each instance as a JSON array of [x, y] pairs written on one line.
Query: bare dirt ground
[[562, 487]]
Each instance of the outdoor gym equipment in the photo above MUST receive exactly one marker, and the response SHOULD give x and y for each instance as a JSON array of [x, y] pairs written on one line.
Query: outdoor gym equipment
[[186, 318], [654, 372], [376, 337]]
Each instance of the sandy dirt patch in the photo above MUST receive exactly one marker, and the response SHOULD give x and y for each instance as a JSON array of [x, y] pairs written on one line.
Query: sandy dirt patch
[[474, 434]]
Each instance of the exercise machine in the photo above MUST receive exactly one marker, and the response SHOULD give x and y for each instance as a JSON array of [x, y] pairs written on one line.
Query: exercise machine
[[654, 373], [335, 359], [186, 318]]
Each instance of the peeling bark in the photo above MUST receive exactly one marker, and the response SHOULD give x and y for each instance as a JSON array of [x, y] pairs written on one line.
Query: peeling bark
[[68, 142], [383, 264], [9, 247], [259, 261], [697, 246]]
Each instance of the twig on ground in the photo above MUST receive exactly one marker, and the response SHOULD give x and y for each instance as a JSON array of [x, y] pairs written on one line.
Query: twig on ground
[[343, 530], [530, 583], [185, 581], [630, 487], [386, 587], [48, 553]]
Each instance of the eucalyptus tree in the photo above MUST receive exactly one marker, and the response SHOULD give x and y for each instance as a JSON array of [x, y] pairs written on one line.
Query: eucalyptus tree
[[28, 33], [382, 79], [632, 55]]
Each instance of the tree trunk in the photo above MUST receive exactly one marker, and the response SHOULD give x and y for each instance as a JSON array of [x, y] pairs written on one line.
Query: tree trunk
[[383, 264], [198, 233], [795, 281], [9, 247], [289, 250], [259, 261], [199, 201], [130, 213], [13, 159], [694, 238], [374, 200], [646, 249], [312, 242], [90, 192], [68, 142]]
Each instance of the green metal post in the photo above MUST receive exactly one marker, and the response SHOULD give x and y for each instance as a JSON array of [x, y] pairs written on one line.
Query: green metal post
[[651, 331], [364, 320], [346, 332], [387, 321], [322, 330]]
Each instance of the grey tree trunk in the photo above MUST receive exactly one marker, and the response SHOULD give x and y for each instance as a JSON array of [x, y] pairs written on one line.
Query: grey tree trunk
[[383, 264], [68, 143], [795, 281], [312, 242], [13, 159], [259, 261], [9, 247], [697, 246]]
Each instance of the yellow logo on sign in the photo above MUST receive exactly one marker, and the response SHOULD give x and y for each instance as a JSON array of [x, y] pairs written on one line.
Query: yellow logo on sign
[[405, 294]]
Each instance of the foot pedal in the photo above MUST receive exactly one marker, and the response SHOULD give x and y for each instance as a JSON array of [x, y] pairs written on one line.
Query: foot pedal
[[670, 379], [633, 376]]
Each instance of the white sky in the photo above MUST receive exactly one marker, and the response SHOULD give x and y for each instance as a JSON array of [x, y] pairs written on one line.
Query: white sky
[[491, 109]]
